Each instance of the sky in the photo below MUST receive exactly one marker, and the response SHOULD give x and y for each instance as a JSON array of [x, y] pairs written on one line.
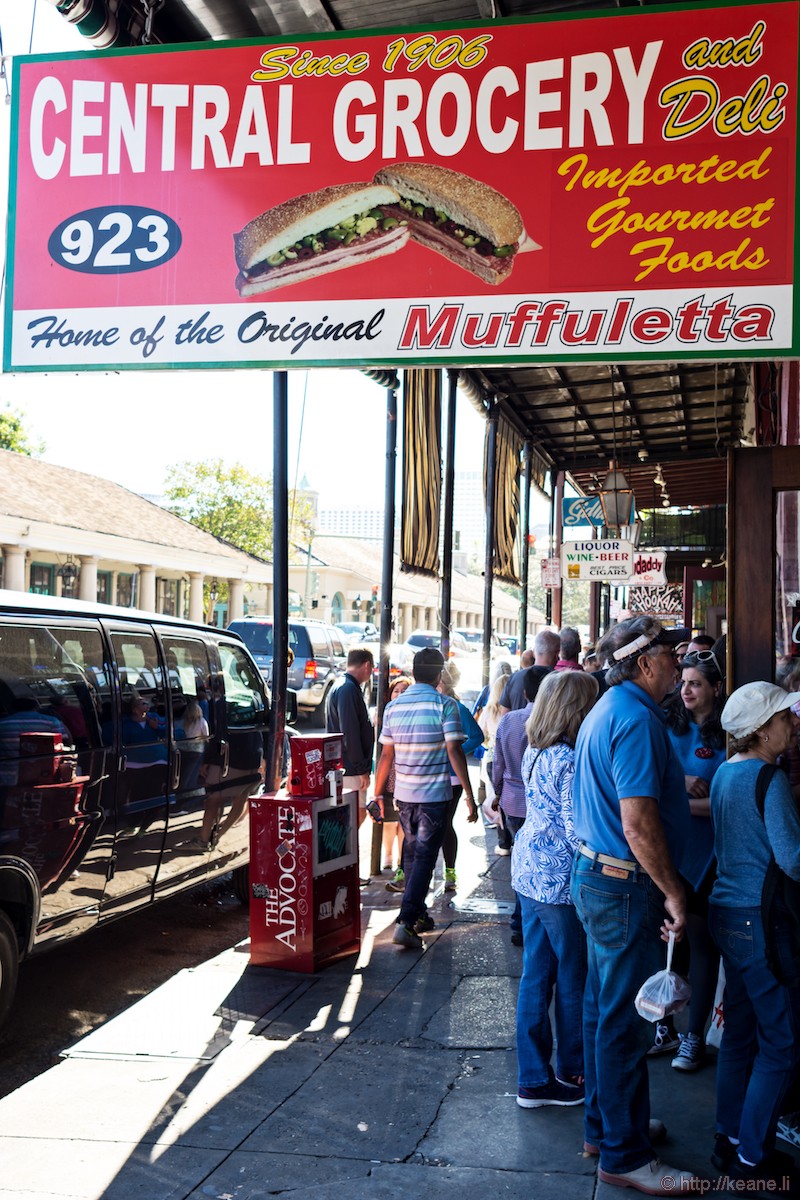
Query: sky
[[131, 426]]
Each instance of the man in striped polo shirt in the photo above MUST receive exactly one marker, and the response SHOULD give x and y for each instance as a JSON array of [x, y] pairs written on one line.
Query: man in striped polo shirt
[[422, 736]]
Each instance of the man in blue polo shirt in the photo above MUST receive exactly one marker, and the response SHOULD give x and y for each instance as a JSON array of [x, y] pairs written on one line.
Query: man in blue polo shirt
[[631, 815], [422, 736]]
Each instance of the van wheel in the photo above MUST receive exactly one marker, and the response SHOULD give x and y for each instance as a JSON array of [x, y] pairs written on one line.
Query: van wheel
[[241, 884], [9, 966]]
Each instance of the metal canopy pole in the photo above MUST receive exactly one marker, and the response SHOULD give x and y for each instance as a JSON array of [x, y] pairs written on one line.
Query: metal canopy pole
[[449, 491], [387, 590], [492, 418], [280, 576], [557, 593], [527, 454]]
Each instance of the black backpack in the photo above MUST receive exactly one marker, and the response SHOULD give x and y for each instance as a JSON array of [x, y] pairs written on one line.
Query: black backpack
[[780, 905]]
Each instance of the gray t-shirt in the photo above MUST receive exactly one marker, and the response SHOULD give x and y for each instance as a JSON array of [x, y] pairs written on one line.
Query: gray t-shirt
[[743, 842]]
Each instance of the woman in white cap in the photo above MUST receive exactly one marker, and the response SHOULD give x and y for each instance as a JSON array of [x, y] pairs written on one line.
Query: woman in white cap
[[752, 826]]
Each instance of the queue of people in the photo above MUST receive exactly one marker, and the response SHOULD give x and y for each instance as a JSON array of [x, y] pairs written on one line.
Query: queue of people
[[629, 826]]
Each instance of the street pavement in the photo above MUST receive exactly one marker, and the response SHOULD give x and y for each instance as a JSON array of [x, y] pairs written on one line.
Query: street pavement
[[386, 1076]]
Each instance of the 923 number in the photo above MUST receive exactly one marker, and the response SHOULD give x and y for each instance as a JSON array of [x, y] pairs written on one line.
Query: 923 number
[[114, 240]]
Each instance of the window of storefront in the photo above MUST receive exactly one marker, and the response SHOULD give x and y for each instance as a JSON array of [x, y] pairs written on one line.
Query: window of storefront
[[337, 608], [125, 590], [168, 599], [104, 587], [42, 579], [787, 576]]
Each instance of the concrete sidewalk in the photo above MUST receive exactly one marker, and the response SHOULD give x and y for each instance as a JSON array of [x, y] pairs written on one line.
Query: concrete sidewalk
[[389, 1076]]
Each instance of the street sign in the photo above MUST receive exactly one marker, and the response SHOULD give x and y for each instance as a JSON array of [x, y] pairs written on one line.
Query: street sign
[[551, 572], [610, 559]]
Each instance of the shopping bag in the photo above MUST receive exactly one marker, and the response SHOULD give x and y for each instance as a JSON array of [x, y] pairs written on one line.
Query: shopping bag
[[663, 993], [717, 1026]]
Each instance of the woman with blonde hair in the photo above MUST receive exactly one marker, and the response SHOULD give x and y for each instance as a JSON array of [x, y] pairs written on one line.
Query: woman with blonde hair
[[554, 945], [488, 719]]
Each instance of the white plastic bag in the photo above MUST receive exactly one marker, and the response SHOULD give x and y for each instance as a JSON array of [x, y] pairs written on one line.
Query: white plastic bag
[[717, 1026], [663, 993]]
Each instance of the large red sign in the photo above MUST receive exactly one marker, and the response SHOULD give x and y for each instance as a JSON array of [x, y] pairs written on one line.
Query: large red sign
[[619, 186]]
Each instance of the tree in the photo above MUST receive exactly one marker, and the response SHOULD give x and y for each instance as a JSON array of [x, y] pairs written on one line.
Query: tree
[[14, 435], [233, 504]]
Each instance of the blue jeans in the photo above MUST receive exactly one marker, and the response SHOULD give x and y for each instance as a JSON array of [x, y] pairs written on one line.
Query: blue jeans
[[554, 955], [423, 826], [622, 919], [759, 1052], [513, 825]]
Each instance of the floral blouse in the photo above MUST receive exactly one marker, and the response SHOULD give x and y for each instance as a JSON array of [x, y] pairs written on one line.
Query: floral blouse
[[541, 859]]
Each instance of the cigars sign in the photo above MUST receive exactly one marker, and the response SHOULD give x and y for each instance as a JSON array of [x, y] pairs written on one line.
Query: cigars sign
[[549, 189]]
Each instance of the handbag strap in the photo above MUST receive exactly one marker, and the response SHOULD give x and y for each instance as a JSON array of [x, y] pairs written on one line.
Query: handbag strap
[[763, 780]]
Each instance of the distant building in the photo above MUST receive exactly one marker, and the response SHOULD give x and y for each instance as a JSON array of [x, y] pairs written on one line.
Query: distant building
[[351, 522], [66, 533]]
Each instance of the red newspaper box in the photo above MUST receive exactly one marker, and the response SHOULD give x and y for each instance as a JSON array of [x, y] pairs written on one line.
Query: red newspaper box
[[305, 907]]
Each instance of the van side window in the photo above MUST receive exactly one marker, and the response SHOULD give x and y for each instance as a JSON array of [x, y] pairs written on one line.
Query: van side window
[[141, 684], [82, 677], [32, 734], [244, 699], [188, 674]]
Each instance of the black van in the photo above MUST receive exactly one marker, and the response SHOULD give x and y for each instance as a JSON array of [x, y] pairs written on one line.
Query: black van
[[129, 744]]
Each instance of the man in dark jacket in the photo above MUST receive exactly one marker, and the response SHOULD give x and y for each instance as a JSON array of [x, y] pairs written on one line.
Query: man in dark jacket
[[347, 715]]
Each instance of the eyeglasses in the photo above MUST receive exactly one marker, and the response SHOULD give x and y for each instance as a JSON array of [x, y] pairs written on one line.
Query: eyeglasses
[[703, 656]]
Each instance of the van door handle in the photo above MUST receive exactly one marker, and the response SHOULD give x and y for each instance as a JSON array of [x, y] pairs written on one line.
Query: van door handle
[[176, 768], [225, 750]]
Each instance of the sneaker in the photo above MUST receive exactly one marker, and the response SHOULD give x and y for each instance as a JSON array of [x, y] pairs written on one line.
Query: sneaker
[[789, 1128], [657, 1131], [424, 924], [723, 1153], [654, 1179], [398, 884], [449, 879], [516, 939], [406, 937], [555, 1092], [691, 1052], [778, 1171], [502, 850], [665, 1040]]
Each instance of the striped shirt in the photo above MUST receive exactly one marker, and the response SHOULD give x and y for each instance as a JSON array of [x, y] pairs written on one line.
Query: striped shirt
[[418, 724]]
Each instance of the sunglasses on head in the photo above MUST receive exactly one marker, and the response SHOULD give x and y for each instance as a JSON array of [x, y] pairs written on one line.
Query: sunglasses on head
[[703, 656]]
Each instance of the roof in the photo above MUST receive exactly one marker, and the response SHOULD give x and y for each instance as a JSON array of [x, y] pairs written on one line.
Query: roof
[[33, 490]]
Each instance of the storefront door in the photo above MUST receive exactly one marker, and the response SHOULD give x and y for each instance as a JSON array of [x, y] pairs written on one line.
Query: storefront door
[[763, 562]]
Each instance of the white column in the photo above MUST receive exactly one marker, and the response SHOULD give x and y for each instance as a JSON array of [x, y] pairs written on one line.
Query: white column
[[196, 596], [404, 613], [14, 568], [235, 599], [87, 588], [146, 590]]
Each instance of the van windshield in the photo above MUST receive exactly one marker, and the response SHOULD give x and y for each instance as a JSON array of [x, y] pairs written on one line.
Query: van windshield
[[257, 637]]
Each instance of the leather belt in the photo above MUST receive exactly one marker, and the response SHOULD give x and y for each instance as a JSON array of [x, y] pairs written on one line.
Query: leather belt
[[618, 868]]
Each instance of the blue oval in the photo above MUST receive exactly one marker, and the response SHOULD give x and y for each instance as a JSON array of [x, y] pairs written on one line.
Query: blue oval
[[115, 240]]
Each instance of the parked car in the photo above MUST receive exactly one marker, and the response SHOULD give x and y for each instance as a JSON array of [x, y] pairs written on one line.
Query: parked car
[[422, 638], [320, 658], [354, 632], [129, 745], [474, 637]]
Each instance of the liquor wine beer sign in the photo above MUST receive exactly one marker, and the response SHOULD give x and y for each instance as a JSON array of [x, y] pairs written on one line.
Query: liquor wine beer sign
[[610, 186]]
